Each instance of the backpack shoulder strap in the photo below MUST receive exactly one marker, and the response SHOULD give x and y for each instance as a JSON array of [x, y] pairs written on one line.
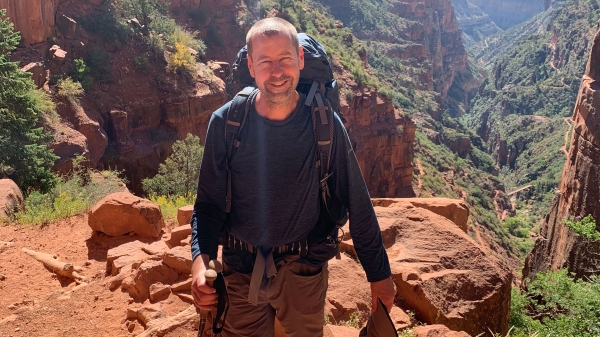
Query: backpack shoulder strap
[[323, 126], [236, 118]]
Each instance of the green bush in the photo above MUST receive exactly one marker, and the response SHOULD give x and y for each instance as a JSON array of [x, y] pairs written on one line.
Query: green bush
[[178, 175], [74, 194], [141, 63], [70, 90], [585, 228], [555, 304]]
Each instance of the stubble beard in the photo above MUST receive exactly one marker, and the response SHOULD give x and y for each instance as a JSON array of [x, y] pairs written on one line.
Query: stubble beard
[[280, 97]]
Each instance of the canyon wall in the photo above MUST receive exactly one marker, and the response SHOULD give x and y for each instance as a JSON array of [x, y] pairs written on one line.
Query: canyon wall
[[579, 189], [33, 18], [508, 13]]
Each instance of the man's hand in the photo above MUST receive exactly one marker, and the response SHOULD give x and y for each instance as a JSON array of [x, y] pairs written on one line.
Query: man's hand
[[204, 296], [385, 290]]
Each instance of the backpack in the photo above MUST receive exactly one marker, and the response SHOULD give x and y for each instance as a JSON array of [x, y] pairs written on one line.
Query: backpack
[[318, 83]]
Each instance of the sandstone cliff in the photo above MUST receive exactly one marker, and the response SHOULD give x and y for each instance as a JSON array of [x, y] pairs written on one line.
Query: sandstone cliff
[[579, 189], [508, 13], [33, 18]]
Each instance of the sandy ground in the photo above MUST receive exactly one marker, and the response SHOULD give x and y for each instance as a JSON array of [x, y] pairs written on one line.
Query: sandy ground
[[34, 302]]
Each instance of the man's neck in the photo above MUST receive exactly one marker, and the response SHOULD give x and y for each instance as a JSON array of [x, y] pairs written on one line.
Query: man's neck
[[276, 113]]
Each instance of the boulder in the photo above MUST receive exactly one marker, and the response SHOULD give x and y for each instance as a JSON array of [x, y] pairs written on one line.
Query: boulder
[[442, 273], [179, 258], [178, 234], [11, 198], [148, 273], [452, 209], [184, 215], [147, 313], [67, 144], [182, 286], [348, 291], [38, 75], [159, 292], [438, 330], [125, 254], [122, 212]]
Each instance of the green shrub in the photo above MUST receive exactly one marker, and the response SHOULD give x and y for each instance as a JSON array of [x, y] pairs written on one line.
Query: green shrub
[[178, 175], [74, 194], [186, 38], [585, 228], [170, 205], [198, 15], [141, 63], [70, 90], [213, 38], [557, 305]]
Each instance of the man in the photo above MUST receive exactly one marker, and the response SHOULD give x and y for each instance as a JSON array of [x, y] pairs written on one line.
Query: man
[[276, 201]]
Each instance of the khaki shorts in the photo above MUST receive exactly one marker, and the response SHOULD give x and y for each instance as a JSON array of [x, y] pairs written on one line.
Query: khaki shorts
[[296, 296]]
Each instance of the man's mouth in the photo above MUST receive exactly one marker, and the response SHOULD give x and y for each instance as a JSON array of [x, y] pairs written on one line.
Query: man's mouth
[[278, 83]]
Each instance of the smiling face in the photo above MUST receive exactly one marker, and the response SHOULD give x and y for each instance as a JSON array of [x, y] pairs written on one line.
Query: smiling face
[[275, 64]]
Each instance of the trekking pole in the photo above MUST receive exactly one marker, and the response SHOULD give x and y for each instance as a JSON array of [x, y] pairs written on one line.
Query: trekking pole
[[214, 267], [218, 268]]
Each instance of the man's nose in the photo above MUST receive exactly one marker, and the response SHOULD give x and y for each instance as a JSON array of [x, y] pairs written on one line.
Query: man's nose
[[276, 69]]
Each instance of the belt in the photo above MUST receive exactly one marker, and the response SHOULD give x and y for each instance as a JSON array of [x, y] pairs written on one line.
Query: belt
[[264, 261]]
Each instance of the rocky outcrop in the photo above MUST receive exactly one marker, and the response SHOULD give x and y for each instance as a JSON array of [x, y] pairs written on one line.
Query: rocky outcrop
[[122, 212], [11, 198], [508, 13], [454, 210], [441, 273], [35, 19], [382, 139], [429, 39], [475, 23], [579, 190]]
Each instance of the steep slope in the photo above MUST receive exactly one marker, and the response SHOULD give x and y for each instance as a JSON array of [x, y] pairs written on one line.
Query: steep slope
[[520, 111], [475, 23], [508, 13], [579, 190]]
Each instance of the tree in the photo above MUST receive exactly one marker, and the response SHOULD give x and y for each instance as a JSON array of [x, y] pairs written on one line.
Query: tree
[[145, 11], [178, 175], [24, 158]]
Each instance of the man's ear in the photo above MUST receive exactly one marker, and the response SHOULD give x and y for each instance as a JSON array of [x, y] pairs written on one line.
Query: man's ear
[[250, 65], [301, 57]]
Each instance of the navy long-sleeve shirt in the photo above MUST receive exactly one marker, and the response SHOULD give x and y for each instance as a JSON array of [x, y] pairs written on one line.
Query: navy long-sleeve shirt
[[275, 188]]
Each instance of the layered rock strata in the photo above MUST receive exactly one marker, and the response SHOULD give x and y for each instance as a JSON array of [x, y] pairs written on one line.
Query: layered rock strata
[[579, 190], [382, 139], [508, 13], [35, 19], [440, 272]]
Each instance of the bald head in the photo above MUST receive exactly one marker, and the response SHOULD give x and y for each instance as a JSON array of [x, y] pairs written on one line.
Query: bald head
[[271, 27]]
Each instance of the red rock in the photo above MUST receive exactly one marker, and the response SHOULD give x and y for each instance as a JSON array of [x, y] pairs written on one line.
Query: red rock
[[179, 258], [579, 189], [437, 330], [149, 312], [38, 75], [184, 215], [11, 198], [178, 234], [452, 209], [400, 319], [67, 144], [157, 248], [116, 281], [149, 272], [185, 297], [122, 212], [67, 26], [348, 291], [182, 286], [442, 274], [34, 19], [339, 331], [159, 292], [125, 254]]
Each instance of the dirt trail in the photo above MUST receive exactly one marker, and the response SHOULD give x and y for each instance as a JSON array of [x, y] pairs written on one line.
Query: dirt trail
[[518, 190], [34, 302], [564, 147]]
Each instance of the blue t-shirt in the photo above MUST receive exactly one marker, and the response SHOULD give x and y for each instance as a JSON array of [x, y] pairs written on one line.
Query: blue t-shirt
[[275, 188]]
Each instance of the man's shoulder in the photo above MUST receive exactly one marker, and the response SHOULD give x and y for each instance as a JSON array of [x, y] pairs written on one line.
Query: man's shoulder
[[221, 113]]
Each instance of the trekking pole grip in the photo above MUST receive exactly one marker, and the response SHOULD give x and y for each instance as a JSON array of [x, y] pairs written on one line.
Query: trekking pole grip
[[210, 275]]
